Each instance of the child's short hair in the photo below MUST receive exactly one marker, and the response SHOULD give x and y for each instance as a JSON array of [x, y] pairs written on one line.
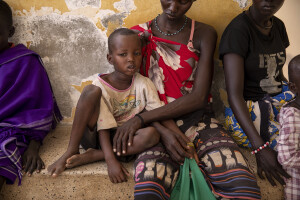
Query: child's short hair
[[6, 13], [294, 68], [119, 31]]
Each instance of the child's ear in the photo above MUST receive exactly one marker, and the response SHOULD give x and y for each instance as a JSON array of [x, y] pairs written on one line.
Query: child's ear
[[293, 87], [109, 58], [11, 31]]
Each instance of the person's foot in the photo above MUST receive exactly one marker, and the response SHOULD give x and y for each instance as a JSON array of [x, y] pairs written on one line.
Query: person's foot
[[91, 155], [59, 166]]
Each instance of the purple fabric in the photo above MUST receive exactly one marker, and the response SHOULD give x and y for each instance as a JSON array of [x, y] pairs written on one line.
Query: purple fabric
[[28, 108]]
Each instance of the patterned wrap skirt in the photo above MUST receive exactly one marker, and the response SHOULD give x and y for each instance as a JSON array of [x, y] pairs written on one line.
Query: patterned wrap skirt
[[222, 164], [263, 113]]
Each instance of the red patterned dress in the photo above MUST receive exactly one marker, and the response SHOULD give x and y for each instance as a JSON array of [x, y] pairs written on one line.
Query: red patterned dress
[[171, 67]]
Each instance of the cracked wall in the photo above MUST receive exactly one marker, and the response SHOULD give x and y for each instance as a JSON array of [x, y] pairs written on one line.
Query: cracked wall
[[71, 37]]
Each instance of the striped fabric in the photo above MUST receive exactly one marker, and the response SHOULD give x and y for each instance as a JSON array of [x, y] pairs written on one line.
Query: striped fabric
[[13, 143], [151, 190], [28, 109], [232, 180], [10, 159], [289, 150], [223, 165]]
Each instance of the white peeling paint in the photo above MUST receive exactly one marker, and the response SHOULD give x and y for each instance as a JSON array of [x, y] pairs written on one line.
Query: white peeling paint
[[102, 14], [88, 12], [242, 3], [125, 6], [76, 4], [43, 11], [71, 46]]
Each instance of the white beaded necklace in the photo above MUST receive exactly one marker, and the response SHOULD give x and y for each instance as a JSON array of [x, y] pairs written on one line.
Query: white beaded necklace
[[169, 34]]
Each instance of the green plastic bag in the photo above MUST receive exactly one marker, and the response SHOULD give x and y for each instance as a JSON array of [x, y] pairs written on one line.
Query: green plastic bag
[[192, 187]]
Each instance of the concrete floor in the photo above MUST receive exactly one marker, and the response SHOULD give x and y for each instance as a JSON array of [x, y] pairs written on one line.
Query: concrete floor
[[90, 181]]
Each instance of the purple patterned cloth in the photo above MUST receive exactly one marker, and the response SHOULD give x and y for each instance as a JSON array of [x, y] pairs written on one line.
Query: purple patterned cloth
[[28, 109], [289, 150]]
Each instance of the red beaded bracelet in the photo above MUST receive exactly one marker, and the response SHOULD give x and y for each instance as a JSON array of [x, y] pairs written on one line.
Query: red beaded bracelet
[[260, 148]]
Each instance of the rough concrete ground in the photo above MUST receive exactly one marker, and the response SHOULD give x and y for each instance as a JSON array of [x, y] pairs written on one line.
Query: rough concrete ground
[[90, 181]]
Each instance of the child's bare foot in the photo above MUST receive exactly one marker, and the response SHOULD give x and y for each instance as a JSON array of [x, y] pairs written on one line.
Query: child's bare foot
[[91, 155], [59, 166]]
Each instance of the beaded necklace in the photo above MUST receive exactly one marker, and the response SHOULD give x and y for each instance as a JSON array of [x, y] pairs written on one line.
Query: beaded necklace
[[169, 34]]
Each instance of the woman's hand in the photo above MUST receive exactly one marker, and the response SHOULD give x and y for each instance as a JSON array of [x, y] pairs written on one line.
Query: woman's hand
[[192, 151], [116, 171], [124, 135], [176, 145], [31, 159], [267, 163]]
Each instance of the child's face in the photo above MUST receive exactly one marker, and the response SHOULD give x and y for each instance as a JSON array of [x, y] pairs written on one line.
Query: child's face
[[4, 33], [175, 9], [126, 55]]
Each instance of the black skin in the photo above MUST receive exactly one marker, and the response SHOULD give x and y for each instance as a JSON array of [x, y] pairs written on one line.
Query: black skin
[[31, 160], [6, 31], [2, 181], [86, 115], [234, 70], [126, 59], [205, 38]]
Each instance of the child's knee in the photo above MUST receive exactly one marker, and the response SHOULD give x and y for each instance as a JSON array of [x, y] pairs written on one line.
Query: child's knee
[[151, 136], [91, 91], [90, 97]]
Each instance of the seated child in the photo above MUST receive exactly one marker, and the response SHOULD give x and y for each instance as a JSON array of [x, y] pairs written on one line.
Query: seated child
[[110, 101], [289, 134], [27, 105]]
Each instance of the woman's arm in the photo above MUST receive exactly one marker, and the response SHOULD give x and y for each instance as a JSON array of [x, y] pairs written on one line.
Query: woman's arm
[[234, 78], [282, 77], [197, 99]]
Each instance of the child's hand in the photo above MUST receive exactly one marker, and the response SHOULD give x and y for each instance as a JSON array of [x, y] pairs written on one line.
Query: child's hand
[[116, 171]]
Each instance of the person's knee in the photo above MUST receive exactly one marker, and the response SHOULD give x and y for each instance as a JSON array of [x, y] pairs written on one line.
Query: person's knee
[[151, 136], [88, 105], [91, 92], [90, 97]]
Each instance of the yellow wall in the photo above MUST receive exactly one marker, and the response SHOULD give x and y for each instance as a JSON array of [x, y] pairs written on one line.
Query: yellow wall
[[217, 13], [290, 15], [71, 36]]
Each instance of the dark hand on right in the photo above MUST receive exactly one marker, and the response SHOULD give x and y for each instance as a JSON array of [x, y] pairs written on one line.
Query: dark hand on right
[[124, 135], [267, 162], [176, 146]]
